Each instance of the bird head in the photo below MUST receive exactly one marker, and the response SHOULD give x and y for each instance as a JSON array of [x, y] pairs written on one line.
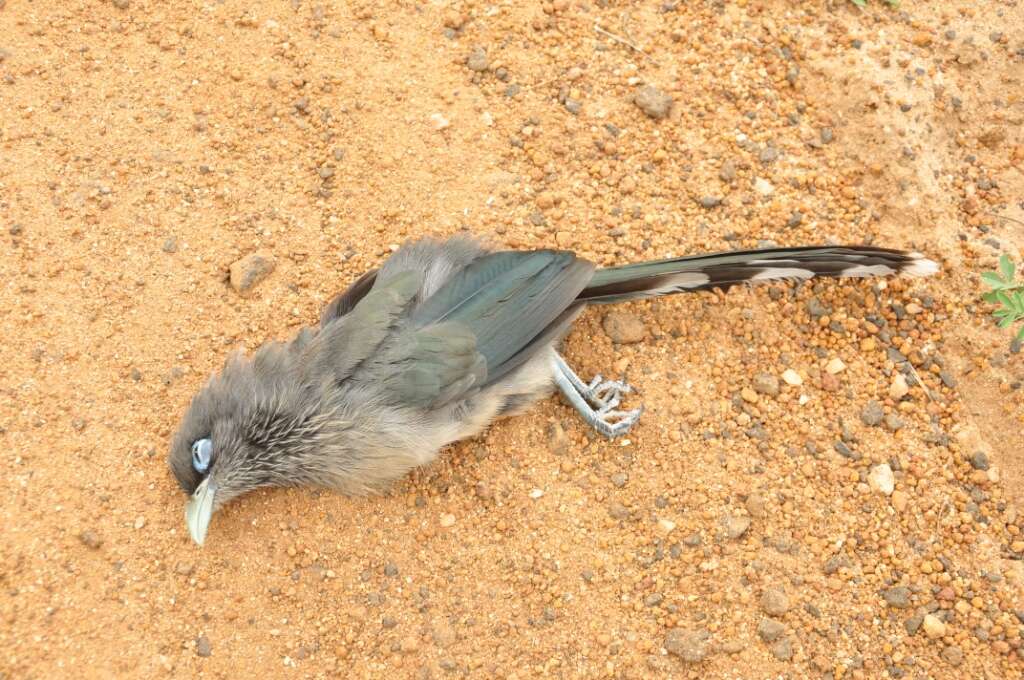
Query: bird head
[[234, 437]]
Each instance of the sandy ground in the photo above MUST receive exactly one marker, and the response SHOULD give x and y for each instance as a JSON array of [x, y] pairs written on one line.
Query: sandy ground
[[146, 146]]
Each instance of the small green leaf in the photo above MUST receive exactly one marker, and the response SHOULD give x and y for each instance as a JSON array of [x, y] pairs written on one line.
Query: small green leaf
[[989, 297], [1005, 323], [1007, 267], [1004, 299], [860, 3], [1020, 334], [992, 279]]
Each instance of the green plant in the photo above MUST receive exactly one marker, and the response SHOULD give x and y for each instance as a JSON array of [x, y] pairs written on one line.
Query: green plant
[[864, 3], [1007, 292]]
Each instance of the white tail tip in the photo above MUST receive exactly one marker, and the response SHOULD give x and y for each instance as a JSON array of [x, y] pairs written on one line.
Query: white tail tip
[[920, 266]]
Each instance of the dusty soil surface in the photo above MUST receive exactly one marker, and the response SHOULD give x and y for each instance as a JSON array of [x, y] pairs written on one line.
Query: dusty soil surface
[[745, 529]]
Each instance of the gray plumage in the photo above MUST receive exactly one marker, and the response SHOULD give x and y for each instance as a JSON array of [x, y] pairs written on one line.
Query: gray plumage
[[445, 337]]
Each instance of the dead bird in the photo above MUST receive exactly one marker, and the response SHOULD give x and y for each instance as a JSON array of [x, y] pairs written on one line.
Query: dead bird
[[430, 348]]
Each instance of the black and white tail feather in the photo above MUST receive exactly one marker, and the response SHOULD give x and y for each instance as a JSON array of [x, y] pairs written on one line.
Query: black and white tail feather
[[724, 270]]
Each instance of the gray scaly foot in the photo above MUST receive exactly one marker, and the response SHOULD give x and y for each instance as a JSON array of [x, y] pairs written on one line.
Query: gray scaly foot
[[596, 402]]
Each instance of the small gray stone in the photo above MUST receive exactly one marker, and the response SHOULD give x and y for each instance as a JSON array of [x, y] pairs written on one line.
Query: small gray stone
[[90, 540], [768, 155], [624, 328], [913, 624], [953, 655], [170, 244], [795, 220], [783, 649], [727, 172], [766, 383], [619, 479], [816, 309], [845, 451], [872, 414], [203, 647], [390, 569], [573, 106], [979, 461], [893, 422], [775, 602], [689, 645], [770, 630], [827, 135], [654, 599], [653, 102], [735, 526], [947, 379], [250, 271], [898, 597], [709, 202], [477, 60]]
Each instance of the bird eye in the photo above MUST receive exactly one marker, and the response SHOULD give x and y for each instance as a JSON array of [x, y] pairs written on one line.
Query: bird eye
[[202, 450]]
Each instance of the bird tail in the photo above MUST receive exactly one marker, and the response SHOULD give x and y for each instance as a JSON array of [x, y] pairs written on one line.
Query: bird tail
[[724, 270]]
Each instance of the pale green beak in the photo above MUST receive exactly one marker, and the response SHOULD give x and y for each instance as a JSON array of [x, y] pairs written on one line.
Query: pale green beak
[[199, 511]]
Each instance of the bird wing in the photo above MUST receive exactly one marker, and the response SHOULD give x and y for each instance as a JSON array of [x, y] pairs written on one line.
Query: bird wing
[[348, 341], [345, 302], [508, 301]]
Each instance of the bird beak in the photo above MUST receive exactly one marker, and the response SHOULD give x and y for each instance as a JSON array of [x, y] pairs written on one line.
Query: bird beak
[[199, 511]]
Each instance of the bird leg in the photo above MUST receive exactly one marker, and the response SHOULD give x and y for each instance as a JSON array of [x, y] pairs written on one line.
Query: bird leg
[[596, 401]]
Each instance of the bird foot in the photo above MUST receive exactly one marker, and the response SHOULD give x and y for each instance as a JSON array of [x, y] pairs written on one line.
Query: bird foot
[[597, 401]]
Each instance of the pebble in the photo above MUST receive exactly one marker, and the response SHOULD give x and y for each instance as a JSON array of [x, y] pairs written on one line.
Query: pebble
[[438, 121], [783, 649], [624, 328], [913, 624], [735, 526], [899, 388], [872, 414], [709, 202], [203, 647], [652, 101], [90, 540], [792, 377], [447, 520], [727, 172], [477, 60], [881, 479], [770, 630], [768, 384], [666, 526], [756, 505], [953, 655], [979, 461], [692, 646], [248, 272], [835, 365], [763, 187], [933, 626], [898, 597], [170, 244], [775, 602], [748, 395]]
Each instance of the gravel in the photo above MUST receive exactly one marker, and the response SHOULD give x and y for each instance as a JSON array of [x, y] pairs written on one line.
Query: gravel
[[765, 383], [652, 101], [898, 597], [735, 526], [709, 202], [477, 60], [881, 479], [775, 602], [770, 630], [203, 647], [692, 646], [624, 328], [248, 272], [979, 460], [872, 414]]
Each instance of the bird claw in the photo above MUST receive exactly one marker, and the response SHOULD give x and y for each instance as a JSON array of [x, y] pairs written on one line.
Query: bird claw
[[614, 423], [605, 395]]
